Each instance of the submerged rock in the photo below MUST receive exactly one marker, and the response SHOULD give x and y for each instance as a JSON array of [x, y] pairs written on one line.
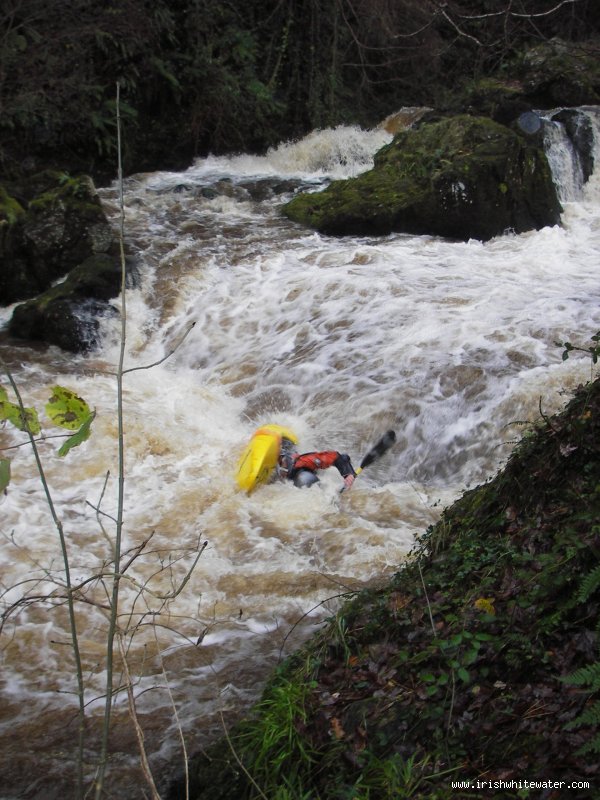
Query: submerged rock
[[461, 177]]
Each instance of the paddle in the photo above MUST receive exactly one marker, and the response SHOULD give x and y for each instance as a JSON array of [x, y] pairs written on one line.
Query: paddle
[[378, 450]]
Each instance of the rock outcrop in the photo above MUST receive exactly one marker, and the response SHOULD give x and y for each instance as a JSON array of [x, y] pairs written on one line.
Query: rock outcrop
[[68, 315], [52, 226], [460, 177]]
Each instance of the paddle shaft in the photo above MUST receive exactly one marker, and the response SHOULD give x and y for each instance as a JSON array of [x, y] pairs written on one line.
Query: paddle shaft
[[378, 450]]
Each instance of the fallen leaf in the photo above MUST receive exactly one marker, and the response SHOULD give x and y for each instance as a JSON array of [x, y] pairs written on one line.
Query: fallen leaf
[[336, 727]]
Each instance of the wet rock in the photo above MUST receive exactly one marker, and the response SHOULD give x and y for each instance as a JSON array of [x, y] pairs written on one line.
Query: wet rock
[[268, 188], [51, 226], [460, 177], [68, 314], [559, 73], [49, 223], [551, 75]]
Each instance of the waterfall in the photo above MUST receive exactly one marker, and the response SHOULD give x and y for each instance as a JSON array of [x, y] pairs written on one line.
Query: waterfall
[[570, 144]]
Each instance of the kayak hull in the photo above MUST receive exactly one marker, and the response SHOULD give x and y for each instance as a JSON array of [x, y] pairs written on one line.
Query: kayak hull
[[259, 458]]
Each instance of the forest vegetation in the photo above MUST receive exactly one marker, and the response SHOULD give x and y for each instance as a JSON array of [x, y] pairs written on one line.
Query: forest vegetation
[[201, 76]]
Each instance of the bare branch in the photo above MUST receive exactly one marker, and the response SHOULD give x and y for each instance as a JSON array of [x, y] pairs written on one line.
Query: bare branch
[[522, 15], [442, 11], [136, 723]]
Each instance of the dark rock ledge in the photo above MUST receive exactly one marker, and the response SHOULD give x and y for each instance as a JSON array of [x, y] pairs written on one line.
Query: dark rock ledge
[[52, 227]]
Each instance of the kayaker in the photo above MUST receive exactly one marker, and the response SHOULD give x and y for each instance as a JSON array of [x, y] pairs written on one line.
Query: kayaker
[[302, 468]]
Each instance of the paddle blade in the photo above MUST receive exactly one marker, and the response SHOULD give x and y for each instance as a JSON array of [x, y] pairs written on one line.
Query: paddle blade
[[379, 449]]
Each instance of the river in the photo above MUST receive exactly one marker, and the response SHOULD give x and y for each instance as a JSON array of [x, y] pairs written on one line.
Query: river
[[452, 344]]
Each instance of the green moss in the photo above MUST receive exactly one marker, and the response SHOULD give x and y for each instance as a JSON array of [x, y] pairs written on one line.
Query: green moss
[[98, 276], [10, 208], [494, 85], [68, 192]]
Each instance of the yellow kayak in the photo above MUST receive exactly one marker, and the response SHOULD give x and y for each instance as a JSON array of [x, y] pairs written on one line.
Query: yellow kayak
[[260, 456]]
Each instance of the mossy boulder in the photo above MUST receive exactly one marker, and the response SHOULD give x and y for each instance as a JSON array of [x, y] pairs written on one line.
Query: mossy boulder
[[462, 177], [49, 223], [68, 314], [52, 225]]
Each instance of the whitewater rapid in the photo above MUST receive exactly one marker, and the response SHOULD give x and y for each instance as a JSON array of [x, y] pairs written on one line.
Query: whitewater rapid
[[452, 344]]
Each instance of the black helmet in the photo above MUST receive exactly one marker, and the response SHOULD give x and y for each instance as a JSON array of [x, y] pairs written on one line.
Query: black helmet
[[304, 478]]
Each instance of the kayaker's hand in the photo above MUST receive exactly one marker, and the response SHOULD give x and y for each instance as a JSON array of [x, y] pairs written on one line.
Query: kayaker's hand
[[348, 481]]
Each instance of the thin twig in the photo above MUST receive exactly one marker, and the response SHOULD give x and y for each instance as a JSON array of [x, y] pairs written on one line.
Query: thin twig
[[177, 720], [136, 723], [427, 599], [37, 441], [308, 613], [99, 783], [164, 358], [451, 709], [237, 758]]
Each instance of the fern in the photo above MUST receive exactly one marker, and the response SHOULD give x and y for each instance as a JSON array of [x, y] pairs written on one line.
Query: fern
[[589, 716], [588, 678], [589, 675], [589, 584], [593, 746]]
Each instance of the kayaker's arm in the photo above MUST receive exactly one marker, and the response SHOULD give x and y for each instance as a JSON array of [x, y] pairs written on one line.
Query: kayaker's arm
[[324, 460], [345, 468]]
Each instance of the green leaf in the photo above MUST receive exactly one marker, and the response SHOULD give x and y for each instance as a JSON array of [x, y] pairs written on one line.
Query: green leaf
[[66, 409], [26, 420], [78, 438], [470, 657], [463, 675], [4, 473]]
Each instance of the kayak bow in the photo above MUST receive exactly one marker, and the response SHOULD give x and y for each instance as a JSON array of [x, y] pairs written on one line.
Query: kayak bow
[[259, 458]]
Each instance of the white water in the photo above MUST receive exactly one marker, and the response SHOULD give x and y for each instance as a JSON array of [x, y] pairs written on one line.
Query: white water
[[451, 344]]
